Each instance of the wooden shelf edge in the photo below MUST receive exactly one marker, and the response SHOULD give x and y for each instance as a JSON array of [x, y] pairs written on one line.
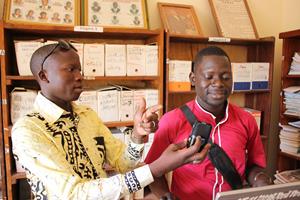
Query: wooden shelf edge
[[118, 124], [290, 155], [87, 78], [16, 176], [70, 29], [199, 38]]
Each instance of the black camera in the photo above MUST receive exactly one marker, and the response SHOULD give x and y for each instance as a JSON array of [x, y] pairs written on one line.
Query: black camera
[[201, 129]]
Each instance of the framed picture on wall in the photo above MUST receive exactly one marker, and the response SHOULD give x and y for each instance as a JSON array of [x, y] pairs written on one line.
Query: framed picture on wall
[[233, 19], [113, 13], [179, 19], [51, 12]]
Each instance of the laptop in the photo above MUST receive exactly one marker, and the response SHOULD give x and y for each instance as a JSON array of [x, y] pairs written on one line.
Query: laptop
[[286, 191]]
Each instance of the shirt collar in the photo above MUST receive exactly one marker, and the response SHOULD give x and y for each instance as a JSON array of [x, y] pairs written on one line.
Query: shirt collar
[[212, 115], [49, 110]]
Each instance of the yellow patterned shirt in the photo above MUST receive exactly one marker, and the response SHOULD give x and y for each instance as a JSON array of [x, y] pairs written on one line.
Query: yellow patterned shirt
[[63, 154]]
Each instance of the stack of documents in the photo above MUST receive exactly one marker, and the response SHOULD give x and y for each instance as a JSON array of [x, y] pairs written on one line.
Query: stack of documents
[[287, 176], [292, 100], [289, 139], [295, 65]]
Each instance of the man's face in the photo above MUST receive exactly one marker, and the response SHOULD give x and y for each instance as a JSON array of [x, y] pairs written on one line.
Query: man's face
[[64, 78], [213, 81]]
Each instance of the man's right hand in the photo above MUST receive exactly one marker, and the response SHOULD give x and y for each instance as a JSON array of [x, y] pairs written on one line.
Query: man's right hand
[[176, 155]]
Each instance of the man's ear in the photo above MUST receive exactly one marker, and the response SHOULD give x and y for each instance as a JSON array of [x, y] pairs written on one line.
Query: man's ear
[[192, 78], [43, 76]]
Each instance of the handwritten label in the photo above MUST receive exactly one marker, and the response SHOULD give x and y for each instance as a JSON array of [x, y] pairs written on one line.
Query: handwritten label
[[219, 39], [95, 29]]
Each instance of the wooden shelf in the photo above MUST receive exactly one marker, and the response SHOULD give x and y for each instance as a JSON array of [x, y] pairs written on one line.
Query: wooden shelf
[[292, 76], [290, 155], [233, 41], [67, 31], [291, 44], [16, 176], [17, 31]]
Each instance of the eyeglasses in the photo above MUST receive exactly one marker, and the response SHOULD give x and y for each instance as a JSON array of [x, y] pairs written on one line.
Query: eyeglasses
[[62, 44]]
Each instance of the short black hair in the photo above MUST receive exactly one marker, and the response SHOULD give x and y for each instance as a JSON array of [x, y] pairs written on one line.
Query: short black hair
[[209, 51], [38, 56]]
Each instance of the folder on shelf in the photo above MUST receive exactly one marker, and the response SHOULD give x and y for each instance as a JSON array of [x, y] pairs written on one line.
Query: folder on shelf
[[151, 97], [151, 60], [89, 98], [22, 101], [24, 51], [93, 60], [79, 48], [179, 71], [108, 104], [115, 60], [260, 76], [126, 104], [135, 61], [242, 76]]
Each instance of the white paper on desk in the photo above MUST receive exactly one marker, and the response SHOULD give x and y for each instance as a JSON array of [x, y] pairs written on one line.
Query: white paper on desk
[[93, 60], [260, 71], [89, 98], [79, 48], [115, 60], [151, 56], [126, 105], [108, 104], [24, 51], [135, 61], [242, 72], [21, 103], [179, 70]]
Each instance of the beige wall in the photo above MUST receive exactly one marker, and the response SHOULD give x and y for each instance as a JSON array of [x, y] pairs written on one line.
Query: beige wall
[[271, 17]]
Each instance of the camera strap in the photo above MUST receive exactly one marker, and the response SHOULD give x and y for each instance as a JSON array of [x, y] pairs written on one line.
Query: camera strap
[[218, 156]]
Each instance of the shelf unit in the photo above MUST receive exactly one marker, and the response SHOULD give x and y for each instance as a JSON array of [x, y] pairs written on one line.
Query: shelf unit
[[10, 77], [290, 45], [2, 166], [239, 50]]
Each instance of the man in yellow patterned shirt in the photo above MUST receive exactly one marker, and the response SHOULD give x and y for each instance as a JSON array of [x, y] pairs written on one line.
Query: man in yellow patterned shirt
[[63, 146]]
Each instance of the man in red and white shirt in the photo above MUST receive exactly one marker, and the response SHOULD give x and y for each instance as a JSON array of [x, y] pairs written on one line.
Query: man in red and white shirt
[[233, 129]]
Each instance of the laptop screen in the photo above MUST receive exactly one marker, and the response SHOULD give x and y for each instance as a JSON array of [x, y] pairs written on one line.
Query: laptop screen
[[287, 191]]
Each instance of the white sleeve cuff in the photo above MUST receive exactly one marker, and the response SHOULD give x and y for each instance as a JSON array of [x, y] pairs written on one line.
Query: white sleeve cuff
[[138, 178]]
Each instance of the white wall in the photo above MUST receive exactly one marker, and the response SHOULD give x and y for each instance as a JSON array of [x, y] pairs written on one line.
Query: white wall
[[271, 17]]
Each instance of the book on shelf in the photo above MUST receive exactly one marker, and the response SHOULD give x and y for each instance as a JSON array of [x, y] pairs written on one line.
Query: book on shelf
[[242, 76], [295, 124], [295, 64], [260, 75], [289, 128], [93, 59], [289, 149], [179, 71]]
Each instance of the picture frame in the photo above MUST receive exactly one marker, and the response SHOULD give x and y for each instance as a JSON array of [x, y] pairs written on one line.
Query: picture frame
[[233, 19], [118, 14], [179, 19], [50, 12]]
